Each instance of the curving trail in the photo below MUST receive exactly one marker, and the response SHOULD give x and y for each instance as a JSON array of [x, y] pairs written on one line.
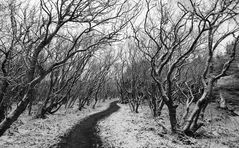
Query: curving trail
[[84, 134]]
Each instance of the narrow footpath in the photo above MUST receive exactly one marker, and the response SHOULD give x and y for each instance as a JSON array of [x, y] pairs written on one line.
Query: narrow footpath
[[84, 134]]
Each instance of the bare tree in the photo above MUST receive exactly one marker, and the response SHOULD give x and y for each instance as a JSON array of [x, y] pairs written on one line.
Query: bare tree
[[219, 14], [171, 40]]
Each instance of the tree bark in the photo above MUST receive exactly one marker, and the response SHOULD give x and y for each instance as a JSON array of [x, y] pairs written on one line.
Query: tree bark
[[172, 117], [191, 122], [191, 125], [7, 122], [160, 107], [153, 106], [222, 100], [2, 94], [186, 113], [4, 87]]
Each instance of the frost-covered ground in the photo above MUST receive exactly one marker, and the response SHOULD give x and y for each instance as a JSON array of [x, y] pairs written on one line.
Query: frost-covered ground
[[125, 129], [41, 133]]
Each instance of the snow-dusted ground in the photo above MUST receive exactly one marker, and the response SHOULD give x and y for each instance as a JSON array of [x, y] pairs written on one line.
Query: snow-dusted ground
[[125, 129], [41, 133], [129, 130]]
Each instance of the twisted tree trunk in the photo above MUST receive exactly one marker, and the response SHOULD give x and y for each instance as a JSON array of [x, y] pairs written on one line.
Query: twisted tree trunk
[[191, 124]]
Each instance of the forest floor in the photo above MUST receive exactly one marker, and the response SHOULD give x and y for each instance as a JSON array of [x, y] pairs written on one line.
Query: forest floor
[[125, 129], [27, 132], [122, 129]]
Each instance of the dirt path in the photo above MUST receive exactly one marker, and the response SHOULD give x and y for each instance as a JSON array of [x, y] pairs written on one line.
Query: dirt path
[[84, 134]]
